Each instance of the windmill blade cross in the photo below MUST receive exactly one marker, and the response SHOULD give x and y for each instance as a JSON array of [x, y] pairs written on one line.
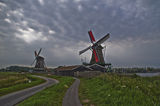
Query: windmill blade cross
[[102, 39], [91, 36], [39, 51], [33, 61], [95, 55], [35, 53], [84, 50]]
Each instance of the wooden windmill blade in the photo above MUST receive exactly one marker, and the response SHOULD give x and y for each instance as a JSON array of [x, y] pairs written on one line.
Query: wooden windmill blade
[[33, 61], [91, 36], [84, 50], [39, 51], [102, 39], [95, 55], [35, 52]]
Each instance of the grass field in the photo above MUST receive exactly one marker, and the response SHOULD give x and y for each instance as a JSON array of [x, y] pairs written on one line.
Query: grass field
[[118, 90], [11, 82], [52, 96]]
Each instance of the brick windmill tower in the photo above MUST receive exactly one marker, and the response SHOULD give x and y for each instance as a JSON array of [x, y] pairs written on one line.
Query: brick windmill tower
[[40, 64], [96, 48]]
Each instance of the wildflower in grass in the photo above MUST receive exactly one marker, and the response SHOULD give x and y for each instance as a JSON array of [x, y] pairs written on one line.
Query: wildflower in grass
[[137, 87], [66, 86], [123, 86], [86, 101], [109, 95], [150, 86]]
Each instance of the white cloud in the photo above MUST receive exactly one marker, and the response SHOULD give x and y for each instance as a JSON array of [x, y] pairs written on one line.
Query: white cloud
[[77, 1], [30, 35], [24, 23], [80, 7], [7, 20], [95, 7], [8, 15], [51, 32], [2, 4], [129, 8], [17, 13], [41, 2], [62, 1]]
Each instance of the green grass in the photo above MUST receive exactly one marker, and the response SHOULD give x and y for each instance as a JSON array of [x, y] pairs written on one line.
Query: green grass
[[11, 82], [118, 90], [51, 96]]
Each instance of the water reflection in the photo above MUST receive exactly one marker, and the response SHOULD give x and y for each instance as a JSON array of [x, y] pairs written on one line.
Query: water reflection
[[148, 74]]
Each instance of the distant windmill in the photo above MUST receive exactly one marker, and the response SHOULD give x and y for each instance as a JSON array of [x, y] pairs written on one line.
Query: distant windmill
[[40, 64], [96, 48]]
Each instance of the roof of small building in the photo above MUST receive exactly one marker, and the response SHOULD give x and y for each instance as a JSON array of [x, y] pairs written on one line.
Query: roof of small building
[[93, 67], [65, 68], [97, 67], [82, 68]]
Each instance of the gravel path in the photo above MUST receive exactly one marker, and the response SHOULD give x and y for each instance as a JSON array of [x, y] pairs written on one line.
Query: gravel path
[[16, 97], [71, 97]]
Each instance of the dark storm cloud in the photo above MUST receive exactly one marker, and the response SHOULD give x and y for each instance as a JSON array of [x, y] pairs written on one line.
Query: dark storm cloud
[[60, 28]]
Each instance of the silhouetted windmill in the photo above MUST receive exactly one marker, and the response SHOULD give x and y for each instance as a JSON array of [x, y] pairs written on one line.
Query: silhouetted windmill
[[40, 64], [96, 48]]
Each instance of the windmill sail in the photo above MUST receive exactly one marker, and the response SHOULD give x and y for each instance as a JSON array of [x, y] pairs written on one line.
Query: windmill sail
[[102, 40], [91, 36], [33, 61], [39, 61], [97, 55], [39, 51], [35, 53], [82, 51]]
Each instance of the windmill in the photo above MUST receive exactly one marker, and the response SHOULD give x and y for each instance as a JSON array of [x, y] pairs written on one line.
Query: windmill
[[40, 64], [96, 48]]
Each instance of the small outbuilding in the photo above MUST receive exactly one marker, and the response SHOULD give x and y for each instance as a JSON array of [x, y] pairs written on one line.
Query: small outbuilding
[[98, 67], [65, 70], [80, 70]]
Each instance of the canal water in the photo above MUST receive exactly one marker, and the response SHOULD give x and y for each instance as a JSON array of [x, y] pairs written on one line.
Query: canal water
[[148, 74]]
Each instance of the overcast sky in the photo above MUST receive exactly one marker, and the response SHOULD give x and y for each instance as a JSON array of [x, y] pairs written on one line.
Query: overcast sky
[[60, 28]]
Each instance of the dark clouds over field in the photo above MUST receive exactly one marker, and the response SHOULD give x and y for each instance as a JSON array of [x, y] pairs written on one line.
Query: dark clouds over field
[[60, 28]]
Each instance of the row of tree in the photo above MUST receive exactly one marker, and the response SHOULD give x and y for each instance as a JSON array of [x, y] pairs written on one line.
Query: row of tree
[[136, 70], [16, 69]]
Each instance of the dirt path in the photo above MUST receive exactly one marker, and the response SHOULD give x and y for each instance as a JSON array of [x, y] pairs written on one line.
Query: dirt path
[[71, 97], [16, 97]]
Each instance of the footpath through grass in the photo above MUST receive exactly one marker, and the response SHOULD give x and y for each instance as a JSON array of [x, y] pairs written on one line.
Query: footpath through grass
[[51, 96], [11, 82], [118, 90]]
